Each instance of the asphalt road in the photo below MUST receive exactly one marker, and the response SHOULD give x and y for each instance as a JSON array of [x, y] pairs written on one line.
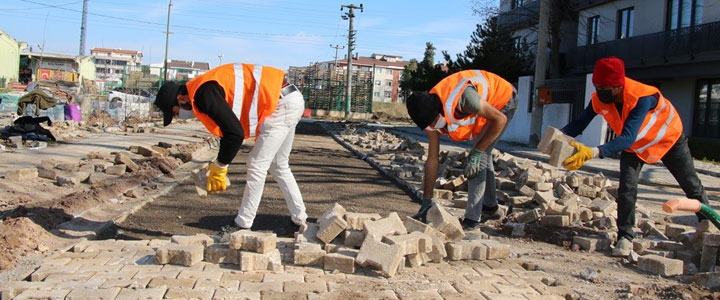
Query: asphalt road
[[325, 171]]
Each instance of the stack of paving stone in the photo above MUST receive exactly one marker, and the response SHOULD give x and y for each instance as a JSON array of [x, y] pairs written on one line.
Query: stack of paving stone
[[340, 240]]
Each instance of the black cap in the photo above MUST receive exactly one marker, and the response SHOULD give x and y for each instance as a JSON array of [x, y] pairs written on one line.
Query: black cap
[[423, 108], [165, 100]]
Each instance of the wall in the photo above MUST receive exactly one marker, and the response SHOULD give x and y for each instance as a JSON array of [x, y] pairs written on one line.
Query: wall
[[9, 58], [711, 11], [594, 134], [86, 68], [681, 93], [649, 18]]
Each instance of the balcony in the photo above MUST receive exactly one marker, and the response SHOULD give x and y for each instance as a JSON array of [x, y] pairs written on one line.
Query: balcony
[[694, 44], [520, 17]]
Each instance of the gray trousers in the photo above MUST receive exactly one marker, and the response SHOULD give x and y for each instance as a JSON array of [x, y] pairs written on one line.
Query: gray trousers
[[481, 188]]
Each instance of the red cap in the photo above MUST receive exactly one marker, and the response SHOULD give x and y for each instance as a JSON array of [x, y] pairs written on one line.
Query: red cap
[[609, 71]]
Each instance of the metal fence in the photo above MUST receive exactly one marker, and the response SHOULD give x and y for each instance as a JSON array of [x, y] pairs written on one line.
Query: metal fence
[[326, 90]]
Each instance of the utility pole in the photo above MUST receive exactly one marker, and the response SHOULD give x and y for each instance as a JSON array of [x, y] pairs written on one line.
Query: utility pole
[[336, 53], [540, 68], [220, 57], [83, 28], [167, 39], [351, 46]]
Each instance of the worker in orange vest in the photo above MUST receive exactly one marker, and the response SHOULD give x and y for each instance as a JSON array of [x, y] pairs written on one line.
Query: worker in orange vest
[[470, 105], [236, 102], [648, 129]]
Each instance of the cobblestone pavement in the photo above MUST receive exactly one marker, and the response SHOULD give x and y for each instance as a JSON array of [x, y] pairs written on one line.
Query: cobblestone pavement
[[125, 270]]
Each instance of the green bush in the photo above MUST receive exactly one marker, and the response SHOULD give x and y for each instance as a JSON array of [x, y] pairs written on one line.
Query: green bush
[[705, 148]]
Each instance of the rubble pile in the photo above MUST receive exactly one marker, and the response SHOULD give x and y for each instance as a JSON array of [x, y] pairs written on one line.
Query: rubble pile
[[541, 195], [340, 241]]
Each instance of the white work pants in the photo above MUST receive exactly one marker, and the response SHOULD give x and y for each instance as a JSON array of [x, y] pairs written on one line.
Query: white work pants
[[272, 153]]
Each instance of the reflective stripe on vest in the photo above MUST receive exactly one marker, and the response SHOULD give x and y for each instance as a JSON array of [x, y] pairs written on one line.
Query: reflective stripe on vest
[[454, 97], [653, 119], [661, 132], [239, 94]]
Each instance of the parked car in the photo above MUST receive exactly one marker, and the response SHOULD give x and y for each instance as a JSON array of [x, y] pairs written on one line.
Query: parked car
[[129, 95]]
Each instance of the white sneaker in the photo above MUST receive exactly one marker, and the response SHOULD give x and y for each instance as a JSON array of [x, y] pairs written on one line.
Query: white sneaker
[[622, 248]]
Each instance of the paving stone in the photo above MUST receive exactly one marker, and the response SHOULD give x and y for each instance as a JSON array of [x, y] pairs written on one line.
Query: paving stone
[[550, 135], [331, 223], [124, 159], [260, 242], [560, 151], [226, 294], [384, 257], [390, 225], [309, 235], [339, 261], [125, 283], [283, 277], [526, 191], [63, 277], [603, 205], [544, 197], [212, 284], [555, 220], [221, 253], [200, 274], [712, 240], [660, 265], [307, 254], [197, 239], [413, 243], [72, 179], [519, 201], [251, 261], [247, 286], [355, 220], [465, 250], [443, 194], [44, 271], [354, 294], [305, 287], [495, 249], [22, 175], [186, 255], [710, 280], [242, 276], [133, 294], [708, 259], [117, 170], [438, 238], [171, 282], [188, 293], [444, 222], [43, 294], [10, 289], [354, 238], [530, 216]]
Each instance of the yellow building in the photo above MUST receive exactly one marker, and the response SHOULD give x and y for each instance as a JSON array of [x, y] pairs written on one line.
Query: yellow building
[[9, 59]]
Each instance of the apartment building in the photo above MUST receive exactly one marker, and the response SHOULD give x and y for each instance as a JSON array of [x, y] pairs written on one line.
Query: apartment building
[[112, 64], [181, 69], [386, 69], [670, 44]]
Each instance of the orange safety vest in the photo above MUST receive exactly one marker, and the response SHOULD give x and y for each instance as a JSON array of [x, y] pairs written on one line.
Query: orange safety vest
[[491, 88], [259, 94], [660, 130]]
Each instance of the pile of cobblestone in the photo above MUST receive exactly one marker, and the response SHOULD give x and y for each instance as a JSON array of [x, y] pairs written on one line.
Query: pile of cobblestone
[[340, 241], [537, 194]]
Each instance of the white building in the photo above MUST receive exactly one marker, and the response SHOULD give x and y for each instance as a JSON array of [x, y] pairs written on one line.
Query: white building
[[112, 64], [387, 70], [670, 44], [181, 69]]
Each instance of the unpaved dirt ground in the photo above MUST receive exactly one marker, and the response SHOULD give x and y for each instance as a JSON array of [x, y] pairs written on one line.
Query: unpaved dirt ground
[[328, 173], [325, 171]]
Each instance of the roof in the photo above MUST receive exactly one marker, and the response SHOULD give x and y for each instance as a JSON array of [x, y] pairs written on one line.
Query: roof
[[53, 55], [369, 61], [114, 51], [183, 64]]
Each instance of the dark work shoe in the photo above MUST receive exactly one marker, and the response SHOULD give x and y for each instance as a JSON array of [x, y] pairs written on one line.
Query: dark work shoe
[[492, 214], [468, 224], [421, 215]]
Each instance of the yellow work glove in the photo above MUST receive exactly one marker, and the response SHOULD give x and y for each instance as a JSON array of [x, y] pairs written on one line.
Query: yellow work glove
[[583, 153], [216, 179]]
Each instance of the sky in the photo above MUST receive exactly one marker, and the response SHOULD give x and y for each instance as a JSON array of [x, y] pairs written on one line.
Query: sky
[[279, 33]]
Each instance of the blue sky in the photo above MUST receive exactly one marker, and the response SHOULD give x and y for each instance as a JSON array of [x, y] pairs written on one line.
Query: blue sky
[[271, 32]]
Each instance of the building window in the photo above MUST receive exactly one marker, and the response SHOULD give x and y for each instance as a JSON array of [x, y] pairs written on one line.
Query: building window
[[684, 13], [707, 109], [377, 82], [593, 25], [379, 70], [389, 71], [517, 3], [388, 94], [377, 94], [626, 20], [388, 83]]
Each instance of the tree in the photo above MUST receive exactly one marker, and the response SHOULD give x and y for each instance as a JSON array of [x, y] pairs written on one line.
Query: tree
[[424, 75], [493, 49]]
